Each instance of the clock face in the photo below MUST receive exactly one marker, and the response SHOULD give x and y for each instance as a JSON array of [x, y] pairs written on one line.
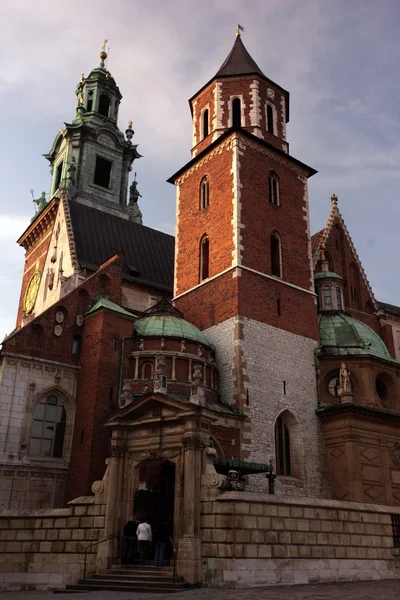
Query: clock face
[[31, 292]]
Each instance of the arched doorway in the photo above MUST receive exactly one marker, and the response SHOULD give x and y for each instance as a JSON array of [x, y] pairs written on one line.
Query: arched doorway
[[155, 493]]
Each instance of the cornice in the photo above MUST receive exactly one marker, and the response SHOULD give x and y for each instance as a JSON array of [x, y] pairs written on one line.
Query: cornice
[[42, 223]]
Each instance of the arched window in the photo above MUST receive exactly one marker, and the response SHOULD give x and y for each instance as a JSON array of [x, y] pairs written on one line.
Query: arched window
[[270, 119], [104, 105], [204, 193], [204, 257], [329, 260], [276, 259], [48, 428], [147, 371], [89, 105], [236, 113], [339, 303], [274, 188], [326, 297], [282, 448], [205, 123]]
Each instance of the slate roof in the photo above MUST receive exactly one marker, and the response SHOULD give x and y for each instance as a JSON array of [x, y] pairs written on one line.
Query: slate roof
[[238, 62], [149, 254], [389, 307]]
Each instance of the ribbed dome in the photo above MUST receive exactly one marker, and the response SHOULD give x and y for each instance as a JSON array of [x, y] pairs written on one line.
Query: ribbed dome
[[169, 326], [327, 275], [342, 335]]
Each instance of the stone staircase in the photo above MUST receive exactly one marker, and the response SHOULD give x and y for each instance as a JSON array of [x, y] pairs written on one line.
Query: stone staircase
[[132, 578]]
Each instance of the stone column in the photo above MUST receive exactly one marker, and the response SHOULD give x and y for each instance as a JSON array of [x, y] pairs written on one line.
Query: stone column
[[189, 547], [110, 549]]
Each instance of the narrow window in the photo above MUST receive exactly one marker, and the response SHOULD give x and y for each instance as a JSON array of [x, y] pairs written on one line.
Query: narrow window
[[89, 105], [339, 298], [284, 388], [327, 297], [104, 105], [205, 123], [48, 428], [102, 173], [270, 119], [204, 193], [114, 343], [236, 113], [274, 189], [282, 448], [58, 176], [204, 258], [147, 371], [276, 255], [76, 344], [110, 394], [82, 435]]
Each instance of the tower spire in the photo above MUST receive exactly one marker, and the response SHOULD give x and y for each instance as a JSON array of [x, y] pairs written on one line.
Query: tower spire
[[103, 54]]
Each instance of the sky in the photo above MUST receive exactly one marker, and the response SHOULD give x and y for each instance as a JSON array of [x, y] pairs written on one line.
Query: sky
[[338, 59]]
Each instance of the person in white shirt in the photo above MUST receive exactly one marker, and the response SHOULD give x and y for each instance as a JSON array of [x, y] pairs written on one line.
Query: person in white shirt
[[144, 536]]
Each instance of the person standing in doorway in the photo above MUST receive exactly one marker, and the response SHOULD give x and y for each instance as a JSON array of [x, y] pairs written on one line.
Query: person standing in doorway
[[130, 540], [144, 536], [161, 536]]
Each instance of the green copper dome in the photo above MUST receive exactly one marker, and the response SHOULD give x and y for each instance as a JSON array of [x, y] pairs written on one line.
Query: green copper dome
[[169, 326], [342, 335], [327, 275]]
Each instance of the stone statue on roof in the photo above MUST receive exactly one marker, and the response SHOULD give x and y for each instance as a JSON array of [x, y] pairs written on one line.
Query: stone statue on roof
[[41, 203], [134, 212]]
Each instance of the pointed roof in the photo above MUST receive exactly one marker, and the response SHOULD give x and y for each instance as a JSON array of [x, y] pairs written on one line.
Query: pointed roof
[[318, 241], [238, 62], [104, 302]]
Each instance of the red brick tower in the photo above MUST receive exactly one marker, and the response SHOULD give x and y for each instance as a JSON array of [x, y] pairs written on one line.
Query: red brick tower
[[243, 269]]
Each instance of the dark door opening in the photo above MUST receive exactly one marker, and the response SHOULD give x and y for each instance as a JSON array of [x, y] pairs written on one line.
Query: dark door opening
[[155, 497]]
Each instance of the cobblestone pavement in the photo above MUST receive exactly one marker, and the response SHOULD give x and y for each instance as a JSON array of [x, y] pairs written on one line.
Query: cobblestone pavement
[[366, 590]]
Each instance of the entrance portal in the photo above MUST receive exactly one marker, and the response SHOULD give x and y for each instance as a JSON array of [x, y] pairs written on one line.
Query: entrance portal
[[155, 495]]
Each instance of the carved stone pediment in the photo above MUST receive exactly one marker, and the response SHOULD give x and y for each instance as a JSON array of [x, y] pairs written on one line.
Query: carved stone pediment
[[153, 406]]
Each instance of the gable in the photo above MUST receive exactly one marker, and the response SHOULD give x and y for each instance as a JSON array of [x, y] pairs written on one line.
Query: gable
[[343, 259]]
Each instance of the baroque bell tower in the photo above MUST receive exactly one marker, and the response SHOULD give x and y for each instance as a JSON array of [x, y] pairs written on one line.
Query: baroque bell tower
[[91, 157], [243, 269]]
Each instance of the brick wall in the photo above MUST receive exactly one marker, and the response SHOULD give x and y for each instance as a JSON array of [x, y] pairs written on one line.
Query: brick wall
[[253, 540]]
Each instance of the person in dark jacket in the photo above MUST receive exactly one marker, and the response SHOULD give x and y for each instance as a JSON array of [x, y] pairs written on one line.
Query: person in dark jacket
[[161, 538], [130, 540]]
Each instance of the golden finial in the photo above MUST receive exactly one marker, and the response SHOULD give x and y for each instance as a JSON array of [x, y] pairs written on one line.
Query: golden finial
[[129, 123], [83, 77], [239, 28], [80, 100], [334, 200], [103, 53]]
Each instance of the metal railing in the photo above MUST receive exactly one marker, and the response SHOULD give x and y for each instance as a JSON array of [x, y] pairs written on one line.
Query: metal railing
[[396, 530], [174, 552], [111, 537]]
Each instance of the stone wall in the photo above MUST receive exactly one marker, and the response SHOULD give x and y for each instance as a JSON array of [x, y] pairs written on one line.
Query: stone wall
[[253, 540], [44, 549]]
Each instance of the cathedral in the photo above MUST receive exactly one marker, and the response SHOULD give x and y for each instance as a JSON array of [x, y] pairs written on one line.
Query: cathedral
[[244, 356]]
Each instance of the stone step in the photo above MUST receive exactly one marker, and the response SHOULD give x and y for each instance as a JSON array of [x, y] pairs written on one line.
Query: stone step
[[124, 587], [130, 577], [119, 581]]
